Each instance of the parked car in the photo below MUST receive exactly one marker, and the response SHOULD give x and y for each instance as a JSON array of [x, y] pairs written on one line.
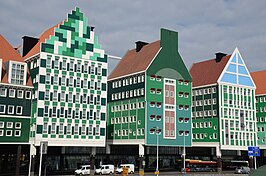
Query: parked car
[[105, 169], [83, 170], [131, 168], [242, 170]]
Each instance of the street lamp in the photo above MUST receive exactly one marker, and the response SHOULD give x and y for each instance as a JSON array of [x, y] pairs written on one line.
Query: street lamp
[[185, 133], [158, 131]]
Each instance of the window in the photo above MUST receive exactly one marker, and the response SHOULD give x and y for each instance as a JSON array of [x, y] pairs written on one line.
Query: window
[[152, 77], [19, 110], [90, 129], [2, 124], [12, 93], [54, 111], [55, 95], [61, 128], [48, 78], [20, 94], [76, 129], [85, 83], [3, 92], [97, 131], [9, 125], [78, 66], [28, 94], [55, 79], [78, 82], [18, 73], [70, 97], [10, 109], [56, 63], [2, 109], [68, 128], [64, 64], [48, 62], [77, 113], [63, 80], [71, 65], [1, 132], [62, 111], [46, 110], [8, 132], [83, 129], [71, 81], [53, 128]]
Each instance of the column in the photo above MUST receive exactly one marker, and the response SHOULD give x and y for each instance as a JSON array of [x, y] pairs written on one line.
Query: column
[[219, 158], [92, 160], [18, 160], [62, 164], [108, 152], [251, 162], [141, 157]]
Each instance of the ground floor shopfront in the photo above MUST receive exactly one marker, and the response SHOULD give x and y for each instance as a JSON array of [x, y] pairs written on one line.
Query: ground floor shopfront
[[67, 159]]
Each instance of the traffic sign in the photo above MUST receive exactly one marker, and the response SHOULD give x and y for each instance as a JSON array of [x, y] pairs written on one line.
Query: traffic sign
[[253, 151]]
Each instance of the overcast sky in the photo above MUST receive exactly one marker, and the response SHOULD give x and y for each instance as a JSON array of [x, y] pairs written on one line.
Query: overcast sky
[[204, 26]]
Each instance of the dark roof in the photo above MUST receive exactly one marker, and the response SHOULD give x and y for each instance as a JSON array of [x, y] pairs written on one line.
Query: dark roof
[[134, 61], [207, 72], [259, 79], [7, 53]]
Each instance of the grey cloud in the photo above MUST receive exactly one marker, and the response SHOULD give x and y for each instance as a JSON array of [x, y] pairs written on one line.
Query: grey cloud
[[204, 27]]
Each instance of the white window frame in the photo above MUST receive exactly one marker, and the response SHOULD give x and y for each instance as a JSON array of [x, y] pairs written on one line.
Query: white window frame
[[4, 108], [20, 92], [12, 107], [12, 91], [2, 124], [26, 95], [48, 78], [10, 132], [3, 92], [9, 125], [19, 133], [17, 108]]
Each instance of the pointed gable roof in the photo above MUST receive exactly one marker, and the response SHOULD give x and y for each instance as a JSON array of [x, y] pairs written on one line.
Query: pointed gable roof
[[236, 72], [134, 62], [259, 79], [207, 72], [7, 53]]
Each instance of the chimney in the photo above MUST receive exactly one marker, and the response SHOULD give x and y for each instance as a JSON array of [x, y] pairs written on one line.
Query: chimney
[[28, 44], [219, 56], [139, 45]]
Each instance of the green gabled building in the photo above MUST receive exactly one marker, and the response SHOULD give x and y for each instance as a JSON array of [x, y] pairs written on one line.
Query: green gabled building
[[259, 80], [69, 73], [15, 107], [149, 96], [223, 113]]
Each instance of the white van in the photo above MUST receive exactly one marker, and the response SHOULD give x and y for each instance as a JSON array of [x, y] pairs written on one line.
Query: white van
[[83, 170], [105, 169], [131, 168]]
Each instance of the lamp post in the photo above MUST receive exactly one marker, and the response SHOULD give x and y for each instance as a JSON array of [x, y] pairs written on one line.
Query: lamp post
[[158, 131], [185, 133]]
